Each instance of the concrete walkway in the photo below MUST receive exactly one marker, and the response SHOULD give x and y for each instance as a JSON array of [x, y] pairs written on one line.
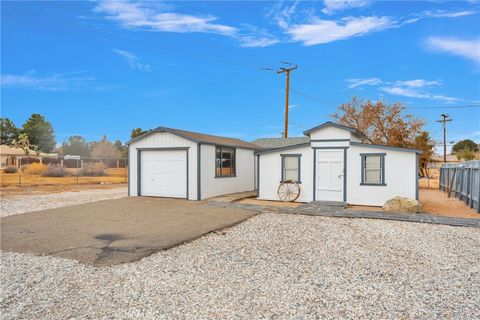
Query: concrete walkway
[[339, 209]]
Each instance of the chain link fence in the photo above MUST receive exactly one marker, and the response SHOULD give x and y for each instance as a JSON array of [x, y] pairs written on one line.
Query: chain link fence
[[37, 171]]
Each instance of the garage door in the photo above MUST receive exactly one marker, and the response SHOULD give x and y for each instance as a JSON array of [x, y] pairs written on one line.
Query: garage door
[[163, 173]]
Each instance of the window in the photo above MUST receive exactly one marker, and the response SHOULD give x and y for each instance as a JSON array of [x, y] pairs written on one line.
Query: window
[[224, 162], [373, 169], [291, 167]]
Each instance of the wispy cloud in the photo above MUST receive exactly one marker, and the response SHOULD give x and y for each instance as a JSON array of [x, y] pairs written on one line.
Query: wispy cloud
[[136, 15], [333, 6], [55, 82], [468, 49], [416, 88], [132, 60], [447, 14], [353, 83], [319, 31], [160, 18]]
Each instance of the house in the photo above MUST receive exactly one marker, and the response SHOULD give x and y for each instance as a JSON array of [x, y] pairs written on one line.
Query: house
[[167, 162], [10, 156], [335, 164]]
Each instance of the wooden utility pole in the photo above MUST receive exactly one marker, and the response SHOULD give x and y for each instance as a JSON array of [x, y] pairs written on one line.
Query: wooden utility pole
[[287, 89], [444, 124]]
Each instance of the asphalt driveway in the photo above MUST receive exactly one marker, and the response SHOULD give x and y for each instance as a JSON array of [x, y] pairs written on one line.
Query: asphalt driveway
[[114, 231]]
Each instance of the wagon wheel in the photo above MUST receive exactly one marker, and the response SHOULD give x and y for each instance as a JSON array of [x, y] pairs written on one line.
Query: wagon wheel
[[288, 191]]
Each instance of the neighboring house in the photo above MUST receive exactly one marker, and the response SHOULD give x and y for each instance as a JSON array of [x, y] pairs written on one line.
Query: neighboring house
[[168, 162], [450, 158], [10, 156], [336, 165]]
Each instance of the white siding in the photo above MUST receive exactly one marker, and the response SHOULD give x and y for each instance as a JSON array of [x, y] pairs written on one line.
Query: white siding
[[244, 180], [270, 173], [400, 176], [164, 140], [330, 132]]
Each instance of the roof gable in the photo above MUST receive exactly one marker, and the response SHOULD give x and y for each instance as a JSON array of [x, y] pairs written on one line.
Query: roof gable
[[336, 125], [200, 138]]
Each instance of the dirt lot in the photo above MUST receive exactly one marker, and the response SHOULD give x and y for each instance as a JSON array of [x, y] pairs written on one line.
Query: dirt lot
[[114, 231], [436, 202]]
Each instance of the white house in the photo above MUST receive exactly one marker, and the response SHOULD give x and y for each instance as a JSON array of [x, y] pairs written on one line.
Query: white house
[[336, 165], [167, 162]]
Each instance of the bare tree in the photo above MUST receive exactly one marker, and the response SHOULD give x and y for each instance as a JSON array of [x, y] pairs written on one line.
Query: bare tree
[[379, 122]]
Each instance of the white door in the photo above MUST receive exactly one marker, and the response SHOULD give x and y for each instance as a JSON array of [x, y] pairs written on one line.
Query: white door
[[329, 175], [163, 173]]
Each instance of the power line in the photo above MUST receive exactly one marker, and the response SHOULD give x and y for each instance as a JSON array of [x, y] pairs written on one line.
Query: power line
[[287, 87], [337, 103], [444, 120]]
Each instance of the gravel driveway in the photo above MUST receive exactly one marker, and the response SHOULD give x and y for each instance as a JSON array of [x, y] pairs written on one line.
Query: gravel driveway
[[271, 266], [21, 204]]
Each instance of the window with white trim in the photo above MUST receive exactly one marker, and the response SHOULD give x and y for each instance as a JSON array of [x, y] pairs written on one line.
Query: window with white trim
[[373, 169], [291, 167]]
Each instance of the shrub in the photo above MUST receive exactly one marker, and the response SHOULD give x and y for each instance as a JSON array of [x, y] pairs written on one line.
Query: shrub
[[10, 169], [35, 168], [95, 169], [55, 171]]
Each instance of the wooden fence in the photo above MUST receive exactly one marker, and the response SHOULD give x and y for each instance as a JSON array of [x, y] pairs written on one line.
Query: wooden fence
[[462, 180]]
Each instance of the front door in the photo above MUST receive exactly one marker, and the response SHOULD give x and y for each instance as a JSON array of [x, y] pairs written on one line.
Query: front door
[[329, 175]]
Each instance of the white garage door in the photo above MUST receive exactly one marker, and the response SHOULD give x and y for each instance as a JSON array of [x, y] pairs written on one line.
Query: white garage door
[[163, 173]]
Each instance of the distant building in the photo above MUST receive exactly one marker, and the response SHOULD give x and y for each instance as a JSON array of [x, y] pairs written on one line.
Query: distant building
[[10, 156]]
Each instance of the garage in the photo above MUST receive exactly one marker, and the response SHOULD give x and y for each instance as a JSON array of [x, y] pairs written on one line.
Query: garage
[[174, 163], [163, 173]]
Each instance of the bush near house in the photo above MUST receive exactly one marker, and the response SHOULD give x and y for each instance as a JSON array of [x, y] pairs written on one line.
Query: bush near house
[[96, 169], [55, 171], [35, 169], [10, 169]]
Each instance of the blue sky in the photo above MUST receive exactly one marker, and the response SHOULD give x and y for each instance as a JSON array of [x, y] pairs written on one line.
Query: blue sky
[[101, 67]]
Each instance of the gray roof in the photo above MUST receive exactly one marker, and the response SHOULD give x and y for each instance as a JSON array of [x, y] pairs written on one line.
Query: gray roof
[[201, 138], [270, 143]]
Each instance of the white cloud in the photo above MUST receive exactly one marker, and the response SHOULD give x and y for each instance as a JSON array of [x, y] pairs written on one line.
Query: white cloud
[[469, 49], [448, 14], [412, 92], [320, 31], [418, 83], [353, 83], [154, 16], [416, 88], [332, 6], [140, 15], [132, 60], [54, 82]]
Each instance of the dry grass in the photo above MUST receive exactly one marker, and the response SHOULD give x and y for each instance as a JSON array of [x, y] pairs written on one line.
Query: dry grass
[[114, 176]]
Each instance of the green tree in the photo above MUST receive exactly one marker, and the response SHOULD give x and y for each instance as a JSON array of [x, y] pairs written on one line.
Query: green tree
[[425, 143], [22, 142], [8, 131], [104, 149], [136, 132], [77, 146], [40, 132], [465, 154], [464, 144]]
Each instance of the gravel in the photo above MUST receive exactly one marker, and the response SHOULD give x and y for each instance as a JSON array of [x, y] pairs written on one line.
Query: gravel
[[21, 204], [271, 266]]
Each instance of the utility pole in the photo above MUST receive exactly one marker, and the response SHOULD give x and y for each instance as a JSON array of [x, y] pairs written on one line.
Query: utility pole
[[444, 124], [287, 89]]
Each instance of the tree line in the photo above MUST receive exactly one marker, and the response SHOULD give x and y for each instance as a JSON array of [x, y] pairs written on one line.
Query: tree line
[[37, 135]]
